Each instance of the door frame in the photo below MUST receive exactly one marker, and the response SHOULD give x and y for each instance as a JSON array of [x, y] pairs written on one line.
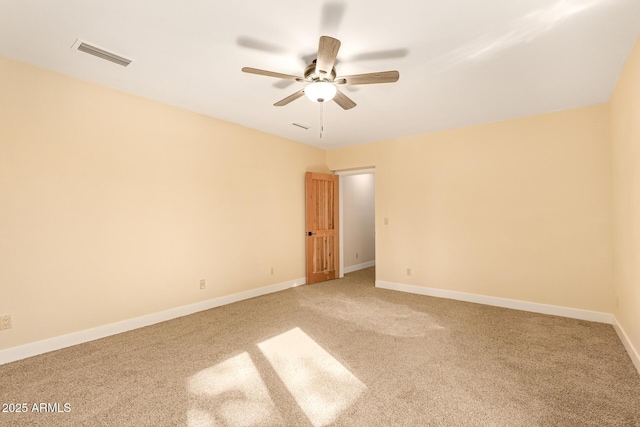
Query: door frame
[[363, 171]]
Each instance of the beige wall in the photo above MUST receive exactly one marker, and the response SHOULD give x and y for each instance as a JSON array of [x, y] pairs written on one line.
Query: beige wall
[[358, 206], [518, 209], [625, 141], [113, 206]]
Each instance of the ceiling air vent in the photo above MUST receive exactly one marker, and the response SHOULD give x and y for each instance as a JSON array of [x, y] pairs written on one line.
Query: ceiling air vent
[[101, 53]]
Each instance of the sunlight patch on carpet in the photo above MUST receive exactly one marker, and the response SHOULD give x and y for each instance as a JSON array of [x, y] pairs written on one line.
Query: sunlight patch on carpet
[[322, 386], [231, 393]]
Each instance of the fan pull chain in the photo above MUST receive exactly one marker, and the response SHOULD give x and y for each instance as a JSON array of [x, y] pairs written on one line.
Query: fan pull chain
[[321, 119]]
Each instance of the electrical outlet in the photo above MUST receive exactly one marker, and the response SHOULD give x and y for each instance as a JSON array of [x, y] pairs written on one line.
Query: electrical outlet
[[272, 271], [5, 322], [356, 255], [408, 272], [202, 284]]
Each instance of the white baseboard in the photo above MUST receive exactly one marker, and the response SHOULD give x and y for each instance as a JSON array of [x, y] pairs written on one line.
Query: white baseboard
[[633, 352], [358, 267], [574, 313], [75, 338]]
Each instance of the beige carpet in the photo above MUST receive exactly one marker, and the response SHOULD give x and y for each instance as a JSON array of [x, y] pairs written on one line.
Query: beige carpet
[[337, 353]]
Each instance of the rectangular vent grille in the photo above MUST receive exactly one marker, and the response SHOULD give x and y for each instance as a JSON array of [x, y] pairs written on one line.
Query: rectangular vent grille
[[92, 50]]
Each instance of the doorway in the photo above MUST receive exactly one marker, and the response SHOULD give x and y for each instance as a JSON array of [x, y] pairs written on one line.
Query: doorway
[[357, 219]]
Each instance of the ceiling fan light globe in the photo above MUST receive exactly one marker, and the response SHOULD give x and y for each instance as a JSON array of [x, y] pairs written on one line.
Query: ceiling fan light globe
[[320, 91]]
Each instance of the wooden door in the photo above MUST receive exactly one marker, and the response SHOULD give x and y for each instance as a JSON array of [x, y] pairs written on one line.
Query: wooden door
[[322, 236]]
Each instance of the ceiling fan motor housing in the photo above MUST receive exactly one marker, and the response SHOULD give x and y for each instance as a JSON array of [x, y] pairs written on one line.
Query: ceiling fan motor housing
[[311, 76]]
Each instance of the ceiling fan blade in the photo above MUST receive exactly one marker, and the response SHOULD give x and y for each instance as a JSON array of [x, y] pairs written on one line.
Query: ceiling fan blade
[[290, 98], [343, 100], [271, 74], [327, 53], [258, 44], [332, 14], [369, 78], [380, 54]]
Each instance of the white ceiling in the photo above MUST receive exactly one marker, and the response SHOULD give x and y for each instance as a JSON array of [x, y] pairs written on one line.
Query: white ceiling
[[461, 62]]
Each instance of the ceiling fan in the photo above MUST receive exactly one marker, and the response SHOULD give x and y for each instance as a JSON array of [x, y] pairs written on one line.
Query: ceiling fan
[[322, 79]]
